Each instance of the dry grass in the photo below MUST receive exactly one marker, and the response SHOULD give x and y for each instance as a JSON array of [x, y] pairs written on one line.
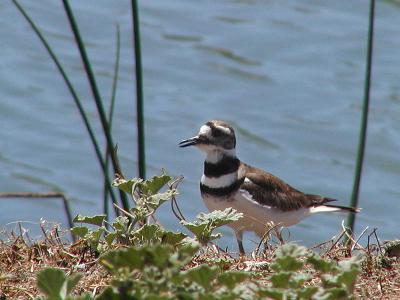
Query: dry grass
[[20, 262]]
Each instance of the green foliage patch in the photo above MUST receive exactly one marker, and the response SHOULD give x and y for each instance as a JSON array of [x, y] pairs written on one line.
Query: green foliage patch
[[147, 261]]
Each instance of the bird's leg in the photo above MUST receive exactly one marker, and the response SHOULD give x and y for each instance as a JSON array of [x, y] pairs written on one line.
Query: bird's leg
[[239, 238]]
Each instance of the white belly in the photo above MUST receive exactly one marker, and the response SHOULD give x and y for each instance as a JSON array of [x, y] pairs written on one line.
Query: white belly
[[256, 217]]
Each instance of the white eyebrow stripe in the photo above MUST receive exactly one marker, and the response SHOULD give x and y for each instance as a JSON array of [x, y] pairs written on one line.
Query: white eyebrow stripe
[[226, 129], [205, 130]]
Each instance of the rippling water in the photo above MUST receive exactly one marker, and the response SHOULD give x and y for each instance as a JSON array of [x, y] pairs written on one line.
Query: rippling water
[[288, 75]]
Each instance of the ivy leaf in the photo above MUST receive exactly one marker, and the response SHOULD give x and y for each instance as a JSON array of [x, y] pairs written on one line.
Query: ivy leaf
[[287, 257], [203, 275], [95, 220], [128, 186], [120, 223], [52, 282], [218, 218], [204, 225], [109, 294], [307, 292], [332, 294], [231, 278], [320, 264], [271, 293], [55, 284], [128, 258], [72, 281], [80, 231], [155, 201], [291, 249], [287, 263], [172, 238], [110, 237], [153, 185], [148, 233], [281, 279]]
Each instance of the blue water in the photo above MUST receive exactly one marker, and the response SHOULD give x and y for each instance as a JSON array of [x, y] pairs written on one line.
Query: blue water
[[288, 75]]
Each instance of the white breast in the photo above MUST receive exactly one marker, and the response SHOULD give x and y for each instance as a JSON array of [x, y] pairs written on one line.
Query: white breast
[[255, 216]]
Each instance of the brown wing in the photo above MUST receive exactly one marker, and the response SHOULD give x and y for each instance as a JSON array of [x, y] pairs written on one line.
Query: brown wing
[[269, 190]]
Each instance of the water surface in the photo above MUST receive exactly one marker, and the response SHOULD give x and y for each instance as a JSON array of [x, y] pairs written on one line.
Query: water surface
[[288, 75]]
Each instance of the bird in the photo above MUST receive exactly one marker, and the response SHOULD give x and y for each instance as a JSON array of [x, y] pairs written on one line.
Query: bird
[[261, 197]]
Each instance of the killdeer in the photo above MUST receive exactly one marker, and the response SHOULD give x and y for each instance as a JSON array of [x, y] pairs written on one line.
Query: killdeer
[[262, 197]]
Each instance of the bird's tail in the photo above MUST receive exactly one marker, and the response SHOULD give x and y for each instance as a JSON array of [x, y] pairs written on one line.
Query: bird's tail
[[345, 208], [332, 208]]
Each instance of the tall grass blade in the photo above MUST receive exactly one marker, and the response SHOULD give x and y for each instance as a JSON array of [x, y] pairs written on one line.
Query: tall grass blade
[[93, 85], [111, 111], [364, 119], [74, 96], [139, 91]]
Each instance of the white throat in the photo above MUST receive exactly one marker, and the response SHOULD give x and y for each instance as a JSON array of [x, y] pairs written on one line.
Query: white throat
[[216, 155]]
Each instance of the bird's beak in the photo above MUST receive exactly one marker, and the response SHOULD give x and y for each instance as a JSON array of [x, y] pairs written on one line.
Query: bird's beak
[[189, 142]]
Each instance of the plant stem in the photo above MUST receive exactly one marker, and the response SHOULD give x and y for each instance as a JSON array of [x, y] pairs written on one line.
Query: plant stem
[[111, 112], [139, 91], [364, 119], [74, 96], [94, 89]]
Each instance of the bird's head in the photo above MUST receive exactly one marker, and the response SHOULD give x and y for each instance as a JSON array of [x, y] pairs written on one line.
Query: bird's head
[[216, 138]]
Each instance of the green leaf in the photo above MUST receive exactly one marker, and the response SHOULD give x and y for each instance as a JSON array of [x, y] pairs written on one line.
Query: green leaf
[[271, 293], [321, 264], [110, 237], [218, 218], [153, 185], [149, 233], [110, 294], [281, 280], [287, 263], [128, 186], [204, 225], [332, 294], [120, 223], [172, 238], [52, 282], [95, 220], [292, 250], [298, 279], [81, 297], [307, 292], [287, 257], [128, 258], [231, 278], [93, 237], [80, 231], [72, 281], [348, 278], [203, 275]]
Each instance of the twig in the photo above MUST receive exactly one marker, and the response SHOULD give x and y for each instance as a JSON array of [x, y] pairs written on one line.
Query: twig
[[48, 195], [124, 211], [362, 233], [335, 243], [349, 236], [178, 213], [263, 238], [377, 240]]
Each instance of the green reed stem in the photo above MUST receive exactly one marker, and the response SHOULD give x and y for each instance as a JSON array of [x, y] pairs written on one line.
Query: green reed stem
[[94, 89], [364, 119], [74, 96], [111, 111], [139, 91]]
